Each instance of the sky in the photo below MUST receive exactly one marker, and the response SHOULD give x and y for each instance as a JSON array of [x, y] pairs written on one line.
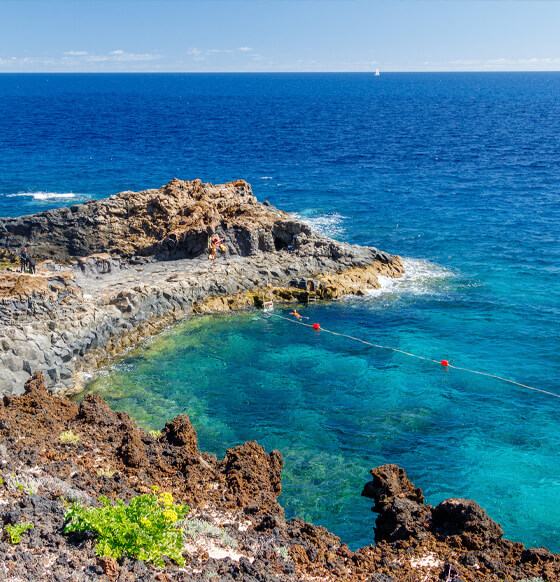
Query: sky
[[278, 35]]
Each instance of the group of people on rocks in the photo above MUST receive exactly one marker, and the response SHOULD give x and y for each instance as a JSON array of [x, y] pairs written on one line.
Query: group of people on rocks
[[27, 262]]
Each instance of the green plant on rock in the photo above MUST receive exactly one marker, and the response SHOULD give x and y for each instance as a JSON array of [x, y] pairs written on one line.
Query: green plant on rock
[[68, 437], [15, 531], [24, 483], [145, 528], [155, 434], [283, 552], [105, 472]]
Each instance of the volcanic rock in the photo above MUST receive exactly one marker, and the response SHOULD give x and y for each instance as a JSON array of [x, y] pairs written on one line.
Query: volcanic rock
[[466, 519], [389, 483], [180, 433]]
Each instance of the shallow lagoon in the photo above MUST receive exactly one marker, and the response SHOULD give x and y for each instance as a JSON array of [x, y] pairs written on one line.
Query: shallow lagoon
[[335, 408]]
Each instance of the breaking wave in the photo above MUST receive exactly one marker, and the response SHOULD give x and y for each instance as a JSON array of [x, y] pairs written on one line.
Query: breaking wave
[[420, 277], [45, 195], [328, 224]]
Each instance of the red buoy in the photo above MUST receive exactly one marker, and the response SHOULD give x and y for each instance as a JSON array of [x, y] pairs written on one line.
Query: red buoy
[[445, 362], [316, 326]]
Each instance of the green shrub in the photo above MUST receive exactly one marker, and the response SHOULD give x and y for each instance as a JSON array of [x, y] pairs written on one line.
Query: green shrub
[[68, 437], [283, 552], [145, 528], [155, 433], [15, 531]]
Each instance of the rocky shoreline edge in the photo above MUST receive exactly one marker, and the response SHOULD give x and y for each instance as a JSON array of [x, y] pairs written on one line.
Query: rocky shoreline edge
[[235, 529], [118, 270]]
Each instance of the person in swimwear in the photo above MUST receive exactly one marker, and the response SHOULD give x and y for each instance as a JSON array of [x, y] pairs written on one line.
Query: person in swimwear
[[297, 315], [213, 245]]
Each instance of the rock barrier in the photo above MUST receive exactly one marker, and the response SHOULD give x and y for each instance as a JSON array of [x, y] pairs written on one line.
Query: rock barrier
[[121, 269]]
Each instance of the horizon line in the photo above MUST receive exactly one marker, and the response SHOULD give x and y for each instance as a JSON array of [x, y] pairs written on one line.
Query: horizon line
[[372, 72]]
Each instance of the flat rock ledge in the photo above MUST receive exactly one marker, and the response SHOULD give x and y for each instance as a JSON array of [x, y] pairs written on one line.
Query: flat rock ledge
[[118, 270], [237, 529]]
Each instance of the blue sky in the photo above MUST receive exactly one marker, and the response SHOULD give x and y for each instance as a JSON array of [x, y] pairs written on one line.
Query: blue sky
[[278, 35]]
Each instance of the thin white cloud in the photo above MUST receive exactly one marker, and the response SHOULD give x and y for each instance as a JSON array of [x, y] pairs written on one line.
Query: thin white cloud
[[203, 53], [498, 64], [121, 56], [79, 60]]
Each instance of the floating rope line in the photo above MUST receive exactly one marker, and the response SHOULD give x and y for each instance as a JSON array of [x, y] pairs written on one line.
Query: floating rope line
[[444, 363]]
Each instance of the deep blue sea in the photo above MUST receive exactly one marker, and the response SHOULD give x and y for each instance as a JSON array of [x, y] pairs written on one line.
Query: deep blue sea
[[458, 173]]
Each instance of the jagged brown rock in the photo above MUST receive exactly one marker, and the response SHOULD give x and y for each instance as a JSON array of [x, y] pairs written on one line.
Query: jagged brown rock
[[389, 483], [115, 458], [172, 221], [94, 410], [466, 519], [180, 433], [253, 478]]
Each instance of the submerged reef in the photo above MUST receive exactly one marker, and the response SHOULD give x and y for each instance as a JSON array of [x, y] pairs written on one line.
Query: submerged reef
[[55, 452], [117, 270]]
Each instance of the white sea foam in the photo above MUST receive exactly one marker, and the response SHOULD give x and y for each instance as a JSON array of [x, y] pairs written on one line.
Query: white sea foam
[[328, 224], [266, 178], [421, 277], [44, 195]]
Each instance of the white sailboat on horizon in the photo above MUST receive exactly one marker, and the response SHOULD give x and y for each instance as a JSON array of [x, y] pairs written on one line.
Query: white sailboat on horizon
[[377, 72]]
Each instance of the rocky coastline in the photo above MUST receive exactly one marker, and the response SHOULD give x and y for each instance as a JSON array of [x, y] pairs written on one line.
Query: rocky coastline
[[117, 270], [235, 530]]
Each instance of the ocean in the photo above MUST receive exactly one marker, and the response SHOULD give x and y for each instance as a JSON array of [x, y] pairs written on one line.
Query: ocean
[[456, 172]]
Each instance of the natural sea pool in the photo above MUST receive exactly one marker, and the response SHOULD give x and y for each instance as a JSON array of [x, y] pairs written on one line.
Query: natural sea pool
[[456, 172], [336, 408]]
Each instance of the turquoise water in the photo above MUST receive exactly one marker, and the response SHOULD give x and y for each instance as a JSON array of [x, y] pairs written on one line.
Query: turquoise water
[[456, 172], [336, 408]]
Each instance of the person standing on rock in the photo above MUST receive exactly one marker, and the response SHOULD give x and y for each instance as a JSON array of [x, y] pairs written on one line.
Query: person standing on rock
[[213, 244], [23, 258], [31, 265]]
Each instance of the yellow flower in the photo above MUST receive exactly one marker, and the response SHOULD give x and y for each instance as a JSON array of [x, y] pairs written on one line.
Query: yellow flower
[[155, 488], [170, 516], [146, 522], [166, 499]]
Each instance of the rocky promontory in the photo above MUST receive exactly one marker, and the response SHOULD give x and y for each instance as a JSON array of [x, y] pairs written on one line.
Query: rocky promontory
[[114, 271]]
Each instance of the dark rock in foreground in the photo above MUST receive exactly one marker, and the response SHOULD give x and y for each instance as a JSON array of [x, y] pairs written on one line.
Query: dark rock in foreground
[[235, 498]]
